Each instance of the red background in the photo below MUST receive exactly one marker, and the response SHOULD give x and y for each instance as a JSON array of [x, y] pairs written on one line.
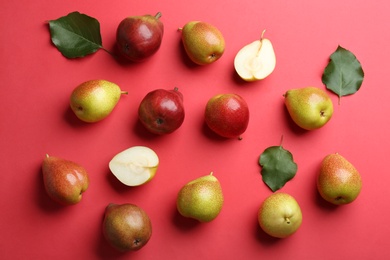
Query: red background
[[35, 119]]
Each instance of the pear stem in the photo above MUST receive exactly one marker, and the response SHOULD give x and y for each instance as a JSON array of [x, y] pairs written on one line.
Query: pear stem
[[262, 35], [211, 173], [287, 220], [180, 28], [124, 92], [158, 15], [109, 52]]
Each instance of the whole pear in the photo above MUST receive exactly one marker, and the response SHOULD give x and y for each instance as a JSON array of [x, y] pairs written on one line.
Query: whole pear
[[203, 42], [64, 180], [139, 37], [94, 100], [338, 181], [162, 111], [309, 107], [280, 215], [227, 115], [201, 199], [126, 227]]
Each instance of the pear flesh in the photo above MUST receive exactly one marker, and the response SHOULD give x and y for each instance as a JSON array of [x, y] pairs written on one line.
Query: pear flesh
[[134, 166], [256, 60], [280, 215], [201, 199], [338, 182]]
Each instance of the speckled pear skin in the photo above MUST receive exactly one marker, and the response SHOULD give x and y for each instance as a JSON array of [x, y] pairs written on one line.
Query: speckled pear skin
[[338, 181], [64, 180], [203, 42], [94, 100], [201, 199], [280, 215], [310, 107], [126, 227]]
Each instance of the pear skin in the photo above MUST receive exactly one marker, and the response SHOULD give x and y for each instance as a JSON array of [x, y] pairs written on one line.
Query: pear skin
[[280, 215], [65, 181], [201, 199], [203, 42], [338, 182], [126, 227], [310, 107], [94, 100]]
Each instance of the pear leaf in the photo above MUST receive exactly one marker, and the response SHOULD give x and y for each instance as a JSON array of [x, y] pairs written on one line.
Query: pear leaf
[[76, 35], [344, 74], [278, 167]]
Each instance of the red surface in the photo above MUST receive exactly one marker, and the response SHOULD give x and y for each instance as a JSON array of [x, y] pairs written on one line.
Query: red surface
[[35, 119]]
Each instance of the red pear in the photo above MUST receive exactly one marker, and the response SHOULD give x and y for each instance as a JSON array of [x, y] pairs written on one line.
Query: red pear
[[64, 181], [227, 115], [139, 37], [126, 227], [161, 111]]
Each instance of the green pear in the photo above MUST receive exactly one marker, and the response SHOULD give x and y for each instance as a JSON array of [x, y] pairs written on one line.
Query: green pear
[[280, 215], [94, 100], [310, 107], [126, 227], [201, 199], [338, 181], [203, 42], [64, 180]]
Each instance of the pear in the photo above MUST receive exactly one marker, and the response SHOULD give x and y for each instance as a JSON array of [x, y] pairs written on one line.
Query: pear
[[126, 227], [139, 37], [203, 42], [256, 60], [201, 199], [309, 107], [338, 181], [280, 215], [135, 166], [64, 180], [94, 100]]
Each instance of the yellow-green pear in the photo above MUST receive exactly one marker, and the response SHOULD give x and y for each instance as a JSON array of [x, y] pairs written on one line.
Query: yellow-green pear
[[309, 107], [338, 181], [201, 199], [94, 100], [256, 60], [203, 42], [280, 215]]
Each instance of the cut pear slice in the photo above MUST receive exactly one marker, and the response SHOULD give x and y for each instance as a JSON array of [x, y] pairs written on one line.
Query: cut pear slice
[[134, 166], [256, 60]]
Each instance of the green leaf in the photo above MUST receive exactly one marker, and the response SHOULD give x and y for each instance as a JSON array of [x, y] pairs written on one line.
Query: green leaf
[[76, 35], [344, 74], [278, 167]]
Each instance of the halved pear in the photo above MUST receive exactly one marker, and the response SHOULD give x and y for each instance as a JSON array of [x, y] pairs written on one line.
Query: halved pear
[[256, 60], [134, 166]]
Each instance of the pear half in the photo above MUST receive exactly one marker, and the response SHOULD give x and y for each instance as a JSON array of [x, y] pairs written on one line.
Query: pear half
[[256, 60], [134, 166]]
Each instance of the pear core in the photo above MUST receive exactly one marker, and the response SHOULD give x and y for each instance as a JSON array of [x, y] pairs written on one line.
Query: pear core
[[134, 166]]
